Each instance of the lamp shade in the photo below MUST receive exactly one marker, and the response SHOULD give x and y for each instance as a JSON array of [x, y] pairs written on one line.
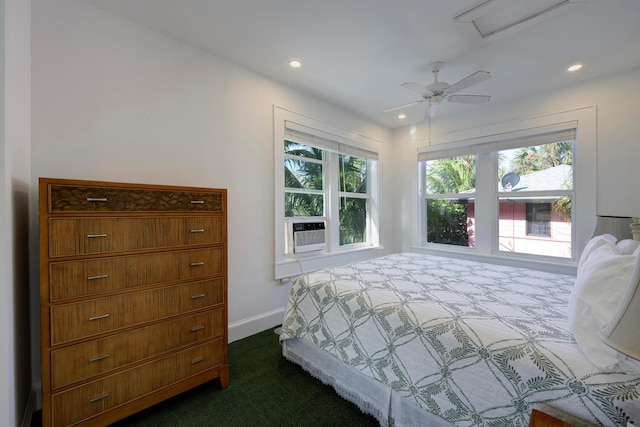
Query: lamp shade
[[618, 226], [623, 331]]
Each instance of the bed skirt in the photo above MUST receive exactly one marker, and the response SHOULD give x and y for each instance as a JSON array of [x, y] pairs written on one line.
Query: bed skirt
[[371, 396]]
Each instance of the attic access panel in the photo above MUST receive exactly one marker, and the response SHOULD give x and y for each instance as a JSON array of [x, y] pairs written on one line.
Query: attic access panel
[[491, 17]]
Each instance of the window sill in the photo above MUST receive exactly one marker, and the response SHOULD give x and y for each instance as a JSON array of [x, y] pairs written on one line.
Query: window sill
[[294, 266], [535, 264]]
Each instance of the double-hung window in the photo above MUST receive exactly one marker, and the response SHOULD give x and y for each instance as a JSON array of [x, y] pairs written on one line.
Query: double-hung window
[[512, 196], [328, 181]]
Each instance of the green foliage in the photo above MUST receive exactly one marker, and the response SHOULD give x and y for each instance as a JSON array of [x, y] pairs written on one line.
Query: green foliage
[[451, 175], [304, 180], [353, 220], [447, 222], [541, 157], [447, 219]]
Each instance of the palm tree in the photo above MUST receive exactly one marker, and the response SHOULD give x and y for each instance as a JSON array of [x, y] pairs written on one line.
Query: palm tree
[[302, 174], [446, 218], [353, 211], [452, 175], [533, 159]]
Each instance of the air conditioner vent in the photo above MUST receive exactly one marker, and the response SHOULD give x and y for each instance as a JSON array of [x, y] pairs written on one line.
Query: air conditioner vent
[[308, 236]]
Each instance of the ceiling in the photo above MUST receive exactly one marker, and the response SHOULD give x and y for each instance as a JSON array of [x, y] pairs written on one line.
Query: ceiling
[[356, 53]]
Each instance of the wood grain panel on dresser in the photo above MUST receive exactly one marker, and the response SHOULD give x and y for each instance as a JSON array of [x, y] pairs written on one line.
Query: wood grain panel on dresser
[[133, 296]]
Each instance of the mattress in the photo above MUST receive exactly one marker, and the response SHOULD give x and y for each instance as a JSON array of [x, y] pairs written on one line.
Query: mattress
[[455, 342]]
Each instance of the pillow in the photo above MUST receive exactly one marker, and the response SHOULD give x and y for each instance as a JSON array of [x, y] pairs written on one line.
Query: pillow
[[627, 246], [593, 244], [604, 275]]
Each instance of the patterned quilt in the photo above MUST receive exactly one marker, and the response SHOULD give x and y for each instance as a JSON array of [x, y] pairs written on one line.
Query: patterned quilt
[[473, 343]]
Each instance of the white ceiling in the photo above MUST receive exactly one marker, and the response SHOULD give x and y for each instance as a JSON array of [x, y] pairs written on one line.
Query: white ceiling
[[356, 53]]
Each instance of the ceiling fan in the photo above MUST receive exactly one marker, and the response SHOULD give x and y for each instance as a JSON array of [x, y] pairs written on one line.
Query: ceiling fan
[[438, 91]]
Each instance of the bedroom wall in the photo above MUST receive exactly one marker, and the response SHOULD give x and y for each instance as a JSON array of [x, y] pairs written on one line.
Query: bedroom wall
[[114, 101], [617, 101], [15, 344]]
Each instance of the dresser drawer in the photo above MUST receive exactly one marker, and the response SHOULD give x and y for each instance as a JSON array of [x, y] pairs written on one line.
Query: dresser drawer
[[89, 277], [79, 320], [82, 361], [93, 398], [102, 235], [66, 198]]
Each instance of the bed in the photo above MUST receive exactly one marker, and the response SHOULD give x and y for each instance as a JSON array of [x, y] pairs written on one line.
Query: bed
[[423, 340]]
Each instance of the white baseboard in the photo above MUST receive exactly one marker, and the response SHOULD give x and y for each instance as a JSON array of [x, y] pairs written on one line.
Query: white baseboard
[[252, 325]]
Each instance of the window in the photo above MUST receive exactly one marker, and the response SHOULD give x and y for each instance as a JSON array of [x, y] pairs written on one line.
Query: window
[[539, 219], [303, 180], [324, 176], [523, 185], [307, 167], [354, 199], [450, 190]]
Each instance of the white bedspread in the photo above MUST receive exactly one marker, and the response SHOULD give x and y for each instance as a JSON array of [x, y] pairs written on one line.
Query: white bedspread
[[468, 342]]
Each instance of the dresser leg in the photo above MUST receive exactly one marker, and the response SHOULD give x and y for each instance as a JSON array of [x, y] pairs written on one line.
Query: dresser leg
[[224, 377]]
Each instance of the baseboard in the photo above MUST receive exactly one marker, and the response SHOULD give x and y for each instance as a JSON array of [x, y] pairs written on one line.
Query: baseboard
[[32, 406], [252, 325]]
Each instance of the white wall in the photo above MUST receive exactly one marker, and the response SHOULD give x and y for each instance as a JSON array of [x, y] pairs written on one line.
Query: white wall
[[617, 102], [15, 366], [113, 101]]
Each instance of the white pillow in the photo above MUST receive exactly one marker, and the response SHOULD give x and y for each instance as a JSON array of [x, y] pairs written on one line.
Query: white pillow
[[627, 246], [602, 280], [593, 244]]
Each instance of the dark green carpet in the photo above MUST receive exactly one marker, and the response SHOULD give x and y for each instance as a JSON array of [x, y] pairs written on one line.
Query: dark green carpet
[[264, 390]]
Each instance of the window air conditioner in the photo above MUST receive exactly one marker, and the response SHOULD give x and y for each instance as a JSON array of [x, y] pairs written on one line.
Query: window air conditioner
[[308, 236]]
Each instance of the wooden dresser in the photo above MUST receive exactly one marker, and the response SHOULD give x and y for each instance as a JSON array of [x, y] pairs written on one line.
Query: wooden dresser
[[133, 296]]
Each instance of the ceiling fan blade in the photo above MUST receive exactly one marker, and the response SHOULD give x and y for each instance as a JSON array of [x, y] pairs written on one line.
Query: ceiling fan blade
[[410, 104], [475, 78], [469, 99], [416, 87]]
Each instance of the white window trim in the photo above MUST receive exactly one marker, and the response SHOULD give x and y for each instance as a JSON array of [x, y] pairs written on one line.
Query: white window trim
[[585, 181], [287, 265]]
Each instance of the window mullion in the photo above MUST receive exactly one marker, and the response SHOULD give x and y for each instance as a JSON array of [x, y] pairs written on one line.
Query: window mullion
[[332, 180], [485, 203]]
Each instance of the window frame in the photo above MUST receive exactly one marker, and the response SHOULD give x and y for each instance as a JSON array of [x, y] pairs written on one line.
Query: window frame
[[492, 138], [333, 142]]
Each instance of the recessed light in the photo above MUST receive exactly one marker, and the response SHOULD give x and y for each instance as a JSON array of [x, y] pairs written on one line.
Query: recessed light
[[295, 63], [574, 67], [402, 116]]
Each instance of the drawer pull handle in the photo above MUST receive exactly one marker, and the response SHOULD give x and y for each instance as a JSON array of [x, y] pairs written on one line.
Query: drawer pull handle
[[196, 264], [197, 328], [95, 359], [102, 276], [96, 199], [201, 230], [197, 202], [103, 316], [197, 296], [95, 399], [198, 360], [93, 236]]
